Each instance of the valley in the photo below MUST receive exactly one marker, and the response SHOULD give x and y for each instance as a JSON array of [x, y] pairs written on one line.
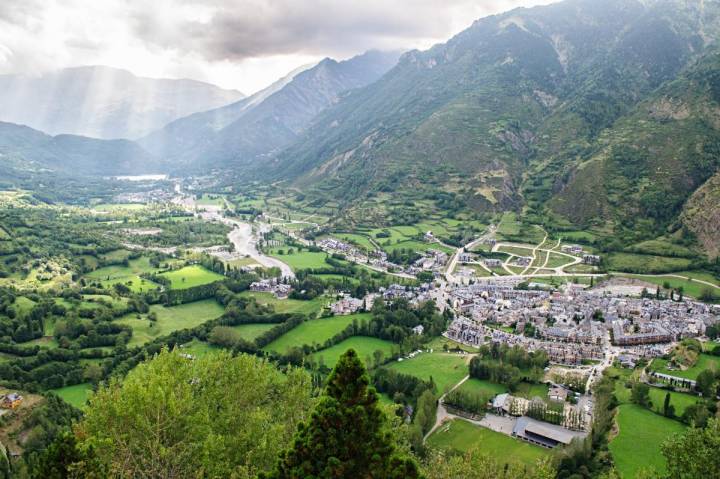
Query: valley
[[425, 245]]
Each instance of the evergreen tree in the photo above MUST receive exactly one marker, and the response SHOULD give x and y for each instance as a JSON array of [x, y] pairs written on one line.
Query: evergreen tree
[[347, 435]]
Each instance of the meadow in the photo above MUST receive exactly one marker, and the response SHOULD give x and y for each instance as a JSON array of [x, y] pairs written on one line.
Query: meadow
[[301, 260], [310, 308], [445, 369], [705, 361], [641, 263], [690, 288], [170, 319], [637, 444], [314, 331], [463, 436], [76, 395], [251, 331], [191, 276], [363, 345]]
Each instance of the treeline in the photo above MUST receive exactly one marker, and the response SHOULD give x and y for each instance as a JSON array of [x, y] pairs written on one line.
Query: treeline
[[507, 365]]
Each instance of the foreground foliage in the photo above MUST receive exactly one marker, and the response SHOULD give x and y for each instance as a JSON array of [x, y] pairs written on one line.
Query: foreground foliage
[[347, 435], [218, 416]]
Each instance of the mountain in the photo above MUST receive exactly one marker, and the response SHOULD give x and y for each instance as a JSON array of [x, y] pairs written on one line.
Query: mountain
[[182, 135], [25, 151], [508, 113], [247, 131], [104, 102]]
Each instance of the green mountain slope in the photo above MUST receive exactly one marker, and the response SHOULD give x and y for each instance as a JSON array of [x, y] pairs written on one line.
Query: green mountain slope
[[24, 152], [507, 114]]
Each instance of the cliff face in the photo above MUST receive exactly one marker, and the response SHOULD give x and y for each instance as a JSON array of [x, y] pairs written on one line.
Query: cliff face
[[702, 216]]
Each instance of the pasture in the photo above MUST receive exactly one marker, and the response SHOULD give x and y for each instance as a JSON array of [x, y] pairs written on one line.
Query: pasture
[[301, 260], [364, 346], [705, 361], [251, 331], [310, 308], [637, 444], [191, 276], [462, 436], [76, 395], [170, 319], [446, 369], [314, 331]]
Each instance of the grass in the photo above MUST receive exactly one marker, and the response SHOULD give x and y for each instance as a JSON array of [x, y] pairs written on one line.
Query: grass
[[463, 436], [705, 361], [119, 206], [680, 401], [359, 240], [23, 305], [637, 445], [302, 260], [76, 395], [314, 331], [364, 346], [128, 275], [310, 308], [640, 263], [473, 385], [417, 246], [445, 369], [690, 288], [198, 348], [252, 331], [170, 319], [191, 276]]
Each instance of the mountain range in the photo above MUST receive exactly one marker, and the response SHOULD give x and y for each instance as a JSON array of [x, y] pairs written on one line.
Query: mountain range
[[594, 114], [103, 102]]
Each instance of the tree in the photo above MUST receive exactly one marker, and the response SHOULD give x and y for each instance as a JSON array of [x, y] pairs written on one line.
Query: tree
[[426, 411], [640, 394], [347, 435], [694, 453], [668, 409], [705, 383], [216, 416]]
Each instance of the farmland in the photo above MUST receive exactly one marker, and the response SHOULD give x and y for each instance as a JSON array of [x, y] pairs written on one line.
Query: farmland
[[314, 331], [364, 346], [76, 395], [637, 445], [311, 307], [251, 331], [444, 368], [170, 319], [705, 361], [191, 276], [463, 436]]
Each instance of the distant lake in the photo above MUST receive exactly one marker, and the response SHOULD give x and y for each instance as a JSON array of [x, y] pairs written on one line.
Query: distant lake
[[141, 177]]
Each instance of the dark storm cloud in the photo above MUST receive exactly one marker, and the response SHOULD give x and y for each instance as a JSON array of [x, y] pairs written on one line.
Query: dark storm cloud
[[239, 29]]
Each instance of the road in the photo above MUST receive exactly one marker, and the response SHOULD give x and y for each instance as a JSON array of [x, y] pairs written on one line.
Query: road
[[452, 264]]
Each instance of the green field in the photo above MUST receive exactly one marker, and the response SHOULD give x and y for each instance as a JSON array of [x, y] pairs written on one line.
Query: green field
[[463, 436], [310, 308], [364, 346], [252, 331], [302, 260], [445, 369], [705, 361], [119, 206], [680, 401], [76, 395], [639, 263], [127, 275], [314, 331], [198, 348], [170, 319], [637, 445], [191, 276], [482, 386], [361, 241], [211, 200], [690, 288]]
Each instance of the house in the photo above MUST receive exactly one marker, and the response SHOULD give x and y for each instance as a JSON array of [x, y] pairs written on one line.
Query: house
[[523, 260], [465, 257], [11, 401], [492, 263], [571, 249], [419, 329], [591, 259]]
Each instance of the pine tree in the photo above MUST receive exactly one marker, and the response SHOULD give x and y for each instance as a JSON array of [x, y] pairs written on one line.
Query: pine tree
[[346, 435]]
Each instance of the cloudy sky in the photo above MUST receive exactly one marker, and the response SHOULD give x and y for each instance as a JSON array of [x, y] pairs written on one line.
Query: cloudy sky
[[241, 44]]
